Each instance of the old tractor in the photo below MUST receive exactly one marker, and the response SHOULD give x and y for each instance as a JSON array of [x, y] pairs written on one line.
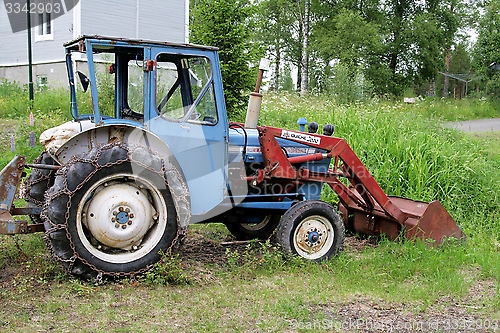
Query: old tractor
[[151, 151]]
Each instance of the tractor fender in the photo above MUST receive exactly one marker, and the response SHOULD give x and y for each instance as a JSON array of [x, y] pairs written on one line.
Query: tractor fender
[[83, 142]]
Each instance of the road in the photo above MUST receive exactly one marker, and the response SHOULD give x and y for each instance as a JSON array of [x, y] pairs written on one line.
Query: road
[[479, 125]]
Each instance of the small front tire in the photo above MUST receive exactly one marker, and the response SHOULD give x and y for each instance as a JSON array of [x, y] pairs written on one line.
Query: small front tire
[[312, 230]]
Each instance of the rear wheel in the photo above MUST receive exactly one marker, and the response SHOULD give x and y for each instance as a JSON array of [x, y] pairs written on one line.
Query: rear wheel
[[254, 228], [37, 183], [111, 212], [311, 229]]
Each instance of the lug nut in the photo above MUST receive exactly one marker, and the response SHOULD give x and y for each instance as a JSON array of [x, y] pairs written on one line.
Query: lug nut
[[131, 215], [115, 212], [117, 225], [127, 209], [129, 222], [113, 219], [120, 209], [124, 226]]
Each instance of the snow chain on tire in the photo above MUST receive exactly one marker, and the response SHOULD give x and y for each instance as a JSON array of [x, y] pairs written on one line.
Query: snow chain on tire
[[72, 177], [37, 183]]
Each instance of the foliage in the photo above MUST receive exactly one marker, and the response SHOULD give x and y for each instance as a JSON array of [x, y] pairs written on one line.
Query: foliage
[[460, 67], [275, 27], [167, 271], [225, 24], [486, 51], [349, 85], [397, 43], [50, 108], [15, 104]]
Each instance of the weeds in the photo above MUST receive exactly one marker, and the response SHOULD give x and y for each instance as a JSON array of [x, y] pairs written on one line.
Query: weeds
[[260, 258], [168, 271]]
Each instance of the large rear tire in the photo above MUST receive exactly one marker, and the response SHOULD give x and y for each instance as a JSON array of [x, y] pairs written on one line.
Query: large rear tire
[[311, 229], [111, 212], [262, 228]]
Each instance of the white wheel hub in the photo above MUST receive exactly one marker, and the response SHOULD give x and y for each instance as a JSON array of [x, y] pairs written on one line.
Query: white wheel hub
[[313, 237], [119, 216]]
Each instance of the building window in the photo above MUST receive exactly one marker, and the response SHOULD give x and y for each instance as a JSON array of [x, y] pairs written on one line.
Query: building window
[[44, 28], [41, 81]]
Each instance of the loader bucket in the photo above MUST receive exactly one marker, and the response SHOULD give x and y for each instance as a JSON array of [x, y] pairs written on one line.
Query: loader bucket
[[427, 221], [420, 220]]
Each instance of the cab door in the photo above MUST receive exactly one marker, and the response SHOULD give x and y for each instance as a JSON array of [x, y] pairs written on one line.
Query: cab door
[[186, 110]]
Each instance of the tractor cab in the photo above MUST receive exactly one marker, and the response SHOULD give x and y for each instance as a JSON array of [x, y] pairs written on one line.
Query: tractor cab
[[173, 91], [139, 81]]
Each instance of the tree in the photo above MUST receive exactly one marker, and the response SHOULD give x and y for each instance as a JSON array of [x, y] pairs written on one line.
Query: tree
[[304, 74], [487, 49], [396, 43], [226, 24], [273, 32]]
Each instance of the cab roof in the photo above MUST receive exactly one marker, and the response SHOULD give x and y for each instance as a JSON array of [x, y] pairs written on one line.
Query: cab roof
[[105, 43]]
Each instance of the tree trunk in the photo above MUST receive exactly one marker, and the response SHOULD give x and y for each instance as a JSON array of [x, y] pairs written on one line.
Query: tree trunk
[[447, 63], [446, 84], [277, 65], [305, 53]]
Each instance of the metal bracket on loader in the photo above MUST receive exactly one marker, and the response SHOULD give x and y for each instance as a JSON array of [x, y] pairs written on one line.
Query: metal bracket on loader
[[364, 206], [10, 178]]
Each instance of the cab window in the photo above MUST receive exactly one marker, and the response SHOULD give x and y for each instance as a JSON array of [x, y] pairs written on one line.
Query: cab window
[[185, 90]]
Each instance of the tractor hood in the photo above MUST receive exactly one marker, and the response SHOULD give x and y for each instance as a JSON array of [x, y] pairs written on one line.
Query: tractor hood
[[53, 138]]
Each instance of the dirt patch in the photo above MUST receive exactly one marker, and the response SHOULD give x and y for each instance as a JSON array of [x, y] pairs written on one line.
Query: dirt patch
[[368, 315], [357, 244]]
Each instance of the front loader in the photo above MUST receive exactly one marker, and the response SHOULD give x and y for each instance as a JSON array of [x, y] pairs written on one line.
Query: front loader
[[123, 180]]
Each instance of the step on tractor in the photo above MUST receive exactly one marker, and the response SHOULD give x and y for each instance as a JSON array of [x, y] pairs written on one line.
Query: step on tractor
[[150, 151]]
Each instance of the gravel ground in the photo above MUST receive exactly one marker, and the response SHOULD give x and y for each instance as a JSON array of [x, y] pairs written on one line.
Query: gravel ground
[[479, 125]]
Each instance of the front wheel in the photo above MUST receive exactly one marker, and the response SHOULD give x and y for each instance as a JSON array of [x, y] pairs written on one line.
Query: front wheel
[[111, 212], [311, 229]]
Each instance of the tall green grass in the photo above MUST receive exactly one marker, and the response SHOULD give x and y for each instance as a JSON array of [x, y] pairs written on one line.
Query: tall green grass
[[50, 108], [455, 109]]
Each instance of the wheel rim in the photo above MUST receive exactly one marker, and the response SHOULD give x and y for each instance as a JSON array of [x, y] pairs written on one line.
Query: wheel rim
[[313, 237], [256, 226], [121, 218]]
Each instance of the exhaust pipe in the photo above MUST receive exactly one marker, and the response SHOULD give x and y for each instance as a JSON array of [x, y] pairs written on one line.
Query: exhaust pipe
[[255, 100]]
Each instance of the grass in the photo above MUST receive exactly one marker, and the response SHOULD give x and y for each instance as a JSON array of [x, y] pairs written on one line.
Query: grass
[[254, 287], [49, 109], [490, 142]]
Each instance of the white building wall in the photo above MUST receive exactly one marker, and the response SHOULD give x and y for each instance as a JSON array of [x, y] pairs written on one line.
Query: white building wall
[[144, 19]]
